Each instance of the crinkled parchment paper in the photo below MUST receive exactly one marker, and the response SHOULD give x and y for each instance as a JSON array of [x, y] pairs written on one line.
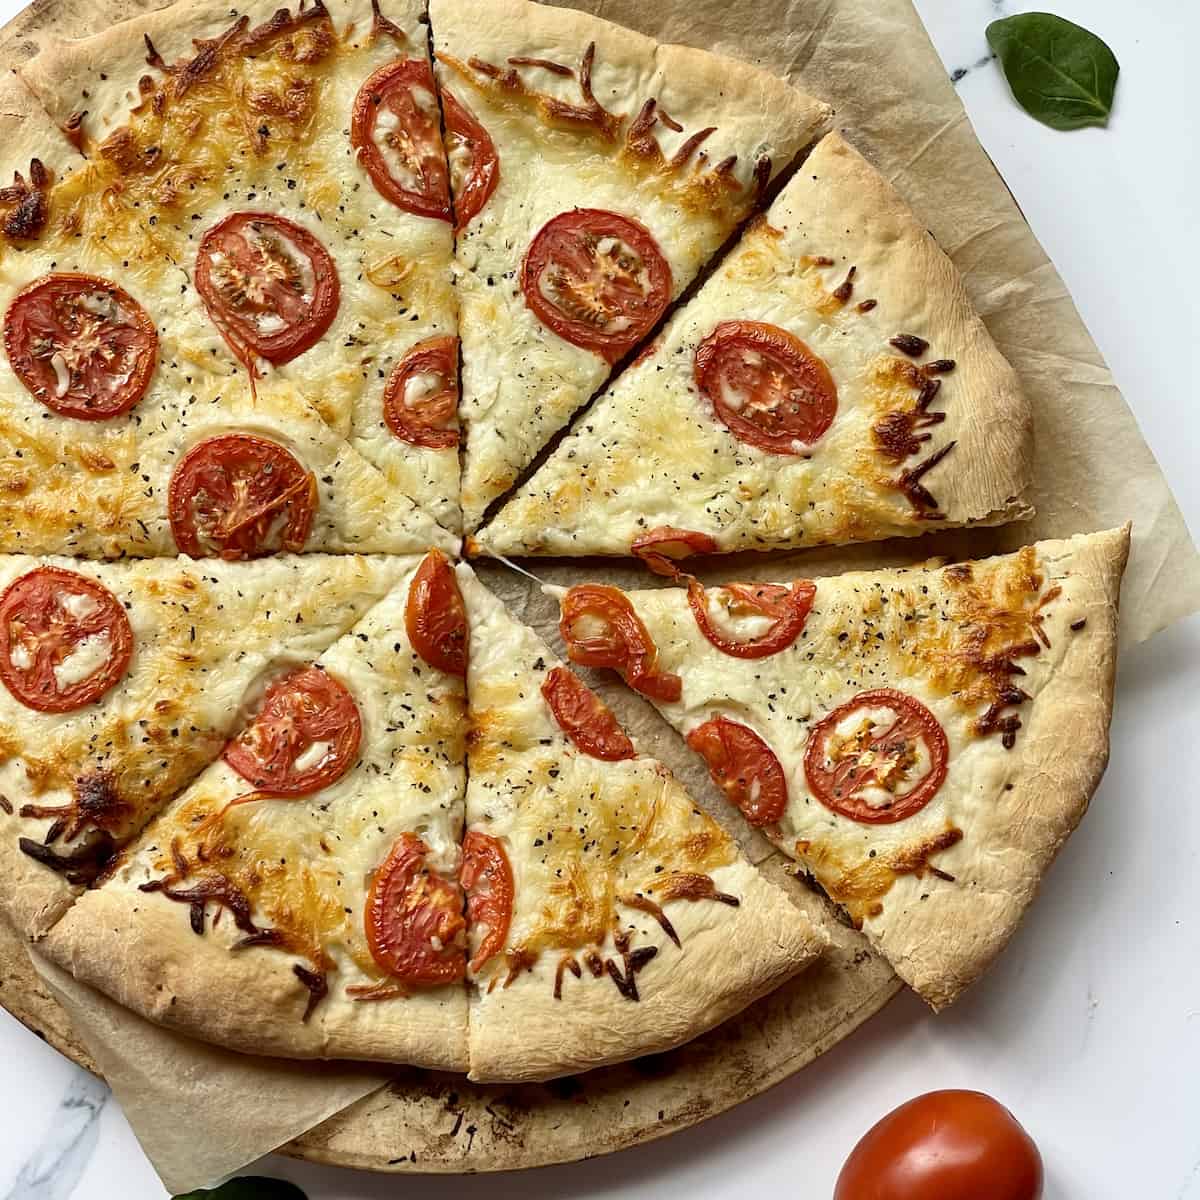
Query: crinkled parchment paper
[[873, 61]]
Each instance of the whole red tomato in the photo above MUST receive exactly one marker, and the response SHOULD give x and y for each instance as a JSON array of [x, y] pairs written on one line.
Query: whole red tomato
[[951, 1145]]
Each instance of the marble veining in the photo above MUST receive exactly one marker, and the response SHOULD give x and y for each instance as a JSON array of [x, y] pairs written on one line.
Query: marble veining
[[62, 1154]]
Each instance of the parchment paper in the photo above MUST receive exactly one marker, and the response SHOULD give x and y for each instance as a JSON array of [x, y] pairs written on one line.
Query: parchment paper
[[874, 62]]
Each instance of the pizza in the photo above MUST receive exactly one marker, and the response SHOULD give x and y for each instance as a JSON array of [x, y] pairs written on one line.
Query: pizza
[[921, 740], [609, 916], [119, 682], [595, 172], [829, 383]]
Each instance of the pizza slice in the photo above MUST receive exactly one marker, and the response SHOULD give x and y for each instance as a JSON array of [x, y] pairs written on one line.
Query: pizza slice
[[923, 741], [290, 165], [119, 682], [609, 916], [830, 383], [595, 172], [301, 898]]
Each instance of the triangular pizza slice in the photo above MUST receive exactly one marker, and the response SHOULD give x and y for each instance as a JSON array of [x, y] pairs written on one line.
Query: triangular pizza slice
[[595, 172], [609, 916], [923, 740], [119, 682], [301, 898], [830, 383], [290, 165]]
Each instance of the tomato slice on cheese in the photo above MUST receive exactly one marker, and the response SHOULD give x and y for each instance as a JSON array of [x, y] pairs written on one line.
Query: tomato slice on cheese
[[303, 738], [662, 548], [786, 607], [84, 347], [420, 401], [597, 279], [584, 717], [435, 616], [64, 640], [878, 758], [238, 496], [744, 767], [474, 163], [414, 918], [766, 386], [601, 629], [268, 284], [487, 879], [396, 130]]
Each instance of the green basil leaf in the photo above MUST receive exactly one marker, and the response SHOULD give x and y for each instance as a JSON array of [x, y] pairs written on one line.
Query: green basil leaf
[[248, 1187], [1059, 72]]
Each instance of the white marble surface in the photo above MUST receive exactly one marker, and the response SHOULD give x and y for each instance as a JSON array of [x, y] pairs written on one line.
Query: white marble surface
[[1090, 1025]]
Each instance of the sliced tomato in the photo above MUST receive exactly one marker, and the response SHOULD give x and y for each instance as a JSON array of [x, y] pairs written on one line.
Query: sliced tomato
[[414, 918], [584, 717], [487, 879], [435, 616], [238, 496], [878, 758], [474, 163], [788, 608], [744, 767], [84, 347], [767, 387], [396, 130], [420, 402], [601, 629], [303, 738], [64, 640], [597, 279], [268, 284], [662, 548]]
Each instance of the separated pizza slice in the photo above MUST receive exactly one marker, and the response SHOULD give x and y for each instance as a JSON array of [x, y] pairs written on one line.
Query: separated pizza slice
[[301, 898], [609, 916], [830, 383], [119, 682], [594, 172], [291, 164], [923, 741]]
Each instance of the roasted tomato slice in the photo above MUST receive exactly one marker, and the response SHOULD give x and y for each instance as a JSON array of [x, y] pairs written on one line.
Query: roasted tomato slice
[[414, 918], [396, 130], [474, 163], [435, 616], [952, 1145], [303, 738], [64, 640], [662, 548], [786, 607], [420, 402], [269, 286], [487, 879], [81, 345], [240, 496], [584, 717], [767, 386], [878, 758], [601, 629], [744, 767], [597, 279]]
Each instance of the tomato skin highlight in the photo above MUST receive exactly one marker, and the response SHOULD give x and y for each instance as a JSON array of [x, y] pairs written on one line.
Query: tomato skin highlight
[[744, 767], [913, 722], [463, 131], [33, 617], [585, 718], [487, 879], [629, 294], [789, 606], [948, 1145], [431, 422], [53, 310], [792, 398], [661, 548], [435, 616], [408, 906]]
